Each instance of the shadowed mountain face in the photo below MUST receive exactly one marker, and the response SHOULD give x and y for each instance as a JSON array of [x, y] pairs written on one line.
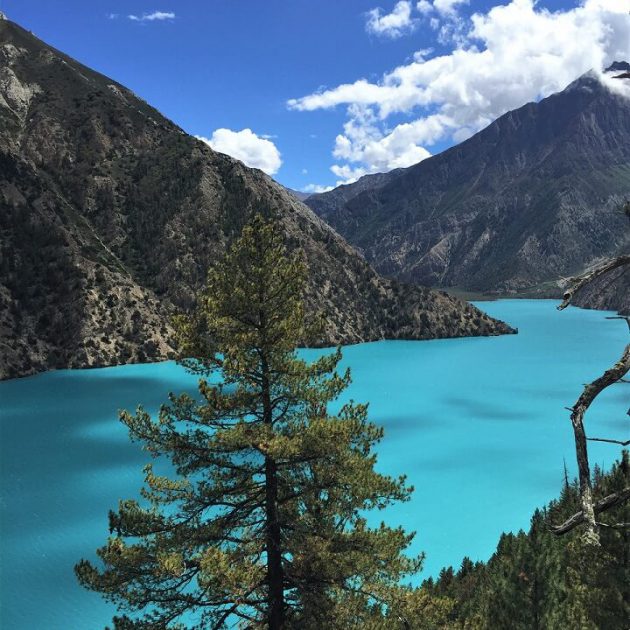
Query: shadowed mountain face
[[110, 216], [533, 197]]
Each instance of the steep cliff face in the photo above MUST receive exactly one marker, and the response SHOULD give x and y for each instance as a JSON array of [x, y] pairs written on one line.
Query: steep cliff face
[[609, 293], [111, 214], [533, 197]]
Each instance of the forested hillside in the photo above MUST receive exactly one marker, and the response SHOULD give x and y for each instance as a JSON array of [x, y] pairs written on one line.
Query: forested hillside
[[537, 580], [111, 216]]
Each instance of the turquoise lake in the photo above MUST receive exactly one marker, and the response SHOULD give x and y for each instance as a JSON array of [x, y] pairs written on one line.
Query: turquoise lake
[[478, 425]]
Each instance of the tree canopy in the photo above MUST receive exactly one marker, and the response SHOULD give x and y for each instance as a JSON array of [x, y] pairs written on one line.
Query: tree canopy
[[262, 519], [536, 579]]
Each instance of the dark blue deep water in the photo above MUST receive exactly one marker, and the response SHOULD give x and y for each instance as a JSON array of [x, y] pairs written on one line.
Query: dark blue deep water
[[478, 425]]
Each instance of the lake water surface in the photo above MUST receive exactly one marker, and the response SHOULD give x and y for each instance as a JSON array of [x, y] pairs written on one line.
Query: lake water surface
[[478, 425]]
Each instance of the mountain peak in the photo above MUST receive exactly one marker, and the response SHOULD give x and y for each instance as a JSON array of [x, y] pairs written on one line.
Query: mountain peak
[[531, 197], [618, 66], [618, 70]]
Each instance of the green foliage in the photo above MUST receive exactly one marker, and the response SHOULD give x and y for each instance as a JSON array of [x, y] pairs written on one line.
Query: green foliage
[[264, 521], [538, 580]]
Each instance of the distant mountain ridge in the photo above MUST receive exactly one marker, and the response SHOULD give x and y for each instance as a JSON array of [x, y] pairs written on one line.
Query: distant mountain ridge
[[110, 216], [301, 196], [533, 197]]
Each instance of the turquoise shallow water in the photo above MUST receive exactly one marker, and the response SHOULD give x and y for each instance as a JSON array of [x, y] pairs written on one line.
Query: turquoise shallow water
[[478, 425]]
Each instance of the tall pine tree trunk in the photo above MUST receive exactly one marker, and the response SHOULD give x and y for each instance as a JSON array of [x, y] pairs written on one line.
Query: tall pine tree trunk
[[275, 577]]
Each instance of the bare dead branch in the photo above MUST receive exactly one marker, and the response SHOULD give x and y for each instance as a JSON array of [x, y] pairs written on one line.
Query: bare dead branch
[[610, 376], [615, 525], [591, 391], [612, 500], [580, 281], [626, 443]]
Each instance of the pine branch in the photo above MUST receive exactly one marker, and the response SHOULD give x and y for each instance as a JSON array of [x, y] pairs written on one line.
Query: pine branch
[[240, 598]]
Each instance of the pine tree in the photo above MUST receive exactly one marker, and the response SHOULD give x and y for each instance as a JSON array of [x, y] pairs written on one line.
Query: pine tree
[[263, 519], [540, 580]]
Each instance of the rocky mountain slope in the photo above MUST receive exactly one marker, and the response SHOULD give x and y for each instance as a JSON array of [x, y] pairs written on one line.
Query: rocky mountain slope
[[610, 292], [301, 196], [532, 198], [110, 215], [329, 203]]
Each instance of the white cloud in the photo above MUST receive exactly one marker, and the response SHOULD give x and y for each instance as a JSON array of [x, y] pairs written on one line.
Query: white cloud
[[444, 18], [363, 142], [425, 7], [347, 174], [447, 7], [422, 54], [153, 17], [112, 16], [615, 85], [394, 24], [245, 145], [316, 188], [506, 57]]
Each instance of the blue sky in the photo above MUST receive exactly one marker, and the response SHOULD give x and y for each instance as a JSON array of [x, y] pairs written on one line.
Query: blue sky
[[353, 85]]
